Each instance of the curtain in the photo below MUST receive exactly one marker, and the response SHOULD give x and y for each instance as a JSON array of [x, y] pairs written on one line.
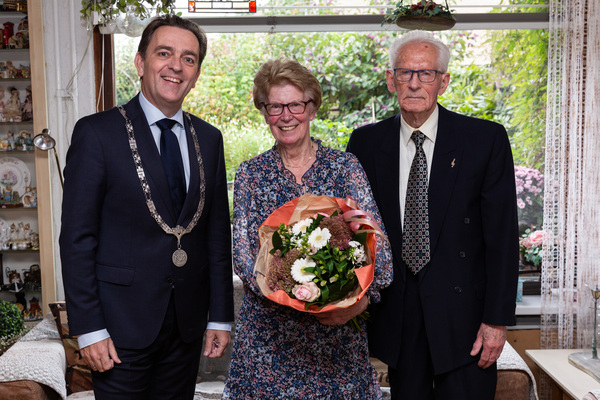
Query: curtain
[[571, 263]]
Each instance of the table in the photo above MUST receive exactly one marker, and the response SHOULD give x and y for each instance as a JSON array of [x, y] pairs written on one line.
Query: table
[[567, 379]]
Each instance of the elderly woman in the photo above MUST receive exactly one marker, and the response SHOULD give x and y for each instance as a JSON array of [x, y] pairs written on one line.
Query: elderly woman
[[281, 353]]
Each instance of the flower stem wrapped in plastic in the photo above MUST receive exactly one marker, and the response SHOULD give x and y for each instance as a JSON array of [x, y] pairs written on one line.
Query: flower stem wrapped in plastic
[[317, 253]]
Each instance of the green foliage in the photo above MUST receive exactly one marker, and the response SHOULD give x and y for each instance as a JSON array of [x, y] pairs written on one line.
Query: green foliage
[[11, 320], [110, 8], [426, 8], [520, 61], [495, 75]]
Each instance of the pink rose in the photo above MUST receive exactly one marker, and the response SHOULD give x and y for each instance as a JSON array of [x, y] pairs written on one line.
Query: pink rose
[[308, 292], [537, 238]]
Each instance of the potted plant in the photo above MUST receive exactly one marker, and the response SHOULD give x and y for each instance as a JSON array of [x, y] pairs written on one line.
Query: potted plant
[[11, 325], [531, 248], [424, 14], [106, 13]]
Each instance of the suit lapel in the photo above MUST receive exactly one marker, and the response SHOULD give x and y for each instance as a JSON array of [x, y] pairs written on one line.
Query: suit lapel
[[388, 180], [444, 170], [151, 162]]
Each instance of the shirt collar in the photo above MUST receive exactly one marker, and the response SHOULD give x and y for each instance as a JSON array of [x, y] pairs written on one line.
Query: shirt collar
[[429, 128], [153, 114]]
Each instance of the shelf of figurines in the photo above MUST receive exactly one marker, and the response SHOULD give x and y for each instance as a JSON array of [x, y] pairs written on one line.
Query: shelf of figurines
[[11, 199], [18, 238], [18, 108], [14, 35], [26, 287], [16, 143]]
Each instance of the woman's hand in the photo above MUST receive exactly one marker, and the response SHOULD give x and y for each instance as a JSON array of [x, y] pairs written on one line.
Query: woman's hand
[[342, 315]]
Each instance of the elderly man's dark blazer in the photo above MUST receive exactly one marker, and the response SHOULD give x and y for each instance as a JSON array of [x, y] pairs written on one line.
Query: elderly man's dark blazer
[[472, 275], [116, 260]]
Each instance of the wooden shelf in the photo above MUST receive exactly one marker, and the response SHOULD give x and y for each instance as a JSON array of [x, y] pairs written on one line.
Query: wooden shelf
[[30, 123], [28, 251]]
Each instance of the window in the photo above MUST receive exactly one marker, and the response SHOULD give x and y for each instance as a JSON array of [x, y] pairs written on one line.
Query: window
[[495, 74]]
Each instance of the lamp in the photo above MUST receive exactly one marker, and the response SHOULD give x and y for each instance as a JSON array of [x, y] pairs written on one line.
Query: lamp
[[45, 142]]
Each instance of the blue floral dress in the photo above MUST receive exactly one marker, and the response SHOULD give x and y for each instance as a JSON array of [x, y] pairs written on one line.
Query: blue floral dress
[[281, 353]]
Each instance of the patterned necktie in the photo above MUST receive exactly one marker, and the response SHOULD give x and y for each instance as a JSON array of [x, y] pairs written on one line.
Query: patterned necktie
[[415, 233], [173, 163]]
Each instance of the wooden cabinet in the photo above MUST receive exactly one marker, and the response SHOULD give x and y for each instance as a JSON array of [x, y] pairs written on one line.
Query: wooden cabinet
[[25, 198]]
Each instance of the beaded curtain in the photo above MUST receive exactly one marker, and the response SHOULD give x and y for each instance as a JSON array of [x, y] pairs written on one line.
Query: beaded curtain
[[571, 266]]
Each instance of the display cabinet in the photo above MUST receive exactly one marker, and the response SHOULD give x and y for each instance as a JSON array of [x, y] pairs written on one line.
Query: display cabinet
[[26, 240]]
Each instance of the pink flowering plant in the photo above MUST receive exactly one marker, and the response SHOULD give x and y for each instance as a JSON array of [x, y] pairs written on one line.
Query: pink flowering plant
[[531, 247], [530, 195], [314, 260]]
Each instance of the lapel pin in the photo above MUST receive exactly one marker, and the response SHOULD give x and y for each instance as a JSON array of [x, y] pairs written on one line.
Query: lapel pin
[[452, 163]]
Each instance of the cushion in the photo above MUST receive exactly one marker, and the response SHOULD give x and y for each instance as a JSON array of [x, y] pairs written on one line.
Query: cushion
[[79, 375], [26, 390], [512, 385]]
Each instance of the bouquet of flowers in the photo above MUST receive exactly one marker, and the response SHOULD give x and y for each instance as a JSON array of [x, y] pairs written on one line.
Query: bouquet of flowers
[[531, 247], [317, 253]]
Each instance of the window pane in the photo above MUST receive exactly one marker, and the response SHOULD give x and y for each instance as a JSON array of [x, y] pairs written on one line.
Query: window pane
[[495, 75]]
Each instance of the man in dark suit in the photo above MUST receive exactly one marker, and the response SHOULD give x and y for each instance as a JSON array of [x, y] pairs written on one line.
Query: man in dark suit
[[145, 239], [441, 325]]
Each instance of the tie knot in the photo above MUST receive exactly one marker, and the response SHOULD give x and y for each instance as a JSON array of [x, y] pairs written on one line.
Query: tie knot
[[165, 124], [418, 137]]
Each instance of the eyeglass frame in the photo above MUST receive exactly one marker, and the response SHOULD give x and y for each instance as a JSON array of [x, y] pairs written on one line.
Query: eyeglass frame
[[418, 71], [284, 106]]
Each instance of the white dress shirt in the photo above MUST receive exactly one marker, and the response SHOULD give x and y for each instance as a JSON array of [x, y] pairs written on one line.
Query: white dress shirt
[[408, 150]]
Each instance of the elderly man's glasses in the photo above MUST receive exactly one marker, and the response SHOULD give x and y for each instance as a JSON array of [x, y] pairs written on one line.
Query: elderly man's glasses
[[297, 107], [425, 75]]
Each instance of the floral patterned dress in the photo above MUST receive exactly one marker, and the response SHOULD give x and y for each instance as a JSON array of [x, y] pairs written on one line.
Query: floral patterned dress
[[281, 353]]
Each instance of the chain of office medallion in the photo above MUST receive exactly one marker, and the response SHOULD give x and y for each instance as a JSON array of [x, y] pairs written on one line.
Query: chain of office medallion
[[178, 231]]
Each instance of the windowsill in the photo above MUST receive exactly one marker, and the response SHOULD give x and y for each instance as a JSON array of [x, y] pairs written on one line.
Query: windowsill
[[531, 305], [528, 313]]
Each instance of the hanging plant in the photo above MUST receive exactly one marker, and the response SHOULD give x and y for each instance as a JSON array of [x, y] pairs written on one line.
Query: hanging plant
[[424, 14], [108, 10]]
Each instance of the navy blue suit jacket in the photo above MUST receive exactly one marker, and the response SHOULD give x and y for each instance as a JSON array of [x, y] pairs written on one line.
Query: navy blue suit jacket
[[472, 275], [116, 260]]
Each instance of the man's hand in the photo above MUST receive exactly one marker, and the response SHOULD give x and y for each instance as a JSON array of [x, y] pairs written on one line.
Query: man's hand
[[100, 356], [492, 339], [216, 342], [342, 315]]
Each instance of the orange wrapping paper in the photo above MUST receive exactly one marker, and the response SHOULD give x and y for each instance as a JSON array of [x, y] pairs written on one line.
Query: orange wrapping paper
[[293, 211]]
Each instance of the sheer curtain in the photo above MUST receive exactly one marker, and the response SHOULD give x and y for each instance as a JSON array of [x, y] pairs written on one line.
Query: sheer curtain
[[571, 265]]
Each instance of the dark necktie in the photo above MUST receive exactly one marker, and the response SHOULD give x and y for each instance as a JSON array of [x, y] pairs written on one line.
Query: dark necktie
[[173, 163], [415, 233]]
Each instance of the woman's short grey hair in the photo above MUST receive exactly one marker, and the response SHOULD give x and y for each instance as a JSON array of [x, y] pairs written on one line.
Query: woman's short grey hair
[[421, 37], [284, 71]]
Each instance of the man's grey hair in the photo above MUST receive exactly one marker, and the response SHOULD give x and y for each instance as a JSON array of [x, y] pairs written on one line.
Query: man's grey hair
[[421, 37]]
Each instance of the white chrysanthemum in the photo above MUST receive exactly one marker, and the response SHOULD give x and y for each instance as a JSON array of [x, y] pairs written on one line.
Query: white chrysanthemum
[[301, 226], [354, 243], [298, 272], [319, 237], [359, 255]]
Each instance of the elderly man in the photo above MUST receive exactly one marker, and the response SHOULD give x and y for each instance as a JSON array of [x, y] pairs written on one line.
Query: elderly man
[[145, 239], [445, 186]]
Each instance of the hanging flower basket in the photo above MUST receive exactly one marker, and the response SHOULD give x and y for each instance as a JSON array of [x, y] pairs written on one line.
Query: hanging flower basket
[[425, 23], [423, 14]]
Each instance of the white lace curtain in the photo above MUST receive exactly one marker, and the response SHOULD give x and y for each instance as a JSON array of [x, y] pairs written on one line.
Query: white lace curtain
[[572, 185]]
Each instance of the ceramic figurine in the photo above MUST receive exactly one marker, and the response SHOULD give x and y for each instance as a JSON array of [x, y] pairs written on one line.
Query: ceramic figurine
[[12, 109]]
